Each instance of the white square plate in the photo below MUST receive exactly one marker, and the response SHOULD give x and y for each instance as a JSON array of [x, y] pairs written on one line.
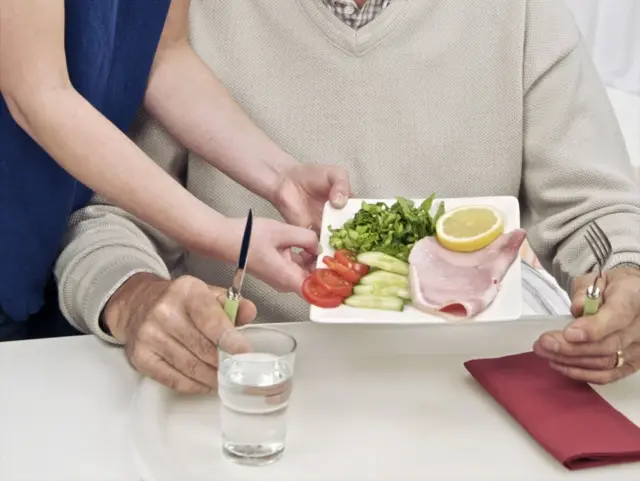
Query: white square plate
[[507, 306]]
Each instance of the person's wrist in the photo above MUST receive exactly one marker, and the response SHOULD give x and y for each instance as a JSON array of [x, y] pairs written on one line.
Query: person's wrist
[[119, 309], [215, 237], [224, 244], [280, 170]]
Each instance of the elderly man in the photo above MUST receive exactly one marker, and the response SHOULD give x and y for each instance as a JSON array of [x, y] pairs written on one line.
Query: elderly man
[[474, 98]]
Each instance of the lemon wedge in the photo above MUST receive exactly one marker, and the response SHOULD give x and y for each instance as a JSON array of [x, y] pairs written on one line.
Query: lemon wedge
[[469, 228]]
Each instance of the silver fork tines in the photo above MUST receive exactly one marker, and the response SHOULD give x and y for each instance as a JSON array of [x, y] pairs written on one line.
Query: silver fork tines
[[599, 244]]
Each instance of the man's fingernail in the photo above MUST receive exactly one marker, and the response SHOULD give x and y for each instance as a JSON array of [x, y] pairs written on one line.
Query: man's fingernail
[[550, 344], [573, 334]]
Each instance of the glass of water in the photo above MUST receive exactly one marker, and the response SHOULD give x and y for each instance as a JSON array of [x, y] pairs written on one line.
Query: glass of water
[[255, 378]]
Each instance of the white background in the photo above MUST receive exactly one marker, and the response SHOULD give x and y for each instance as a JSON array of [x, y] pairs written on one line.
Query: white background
[[611, 29]]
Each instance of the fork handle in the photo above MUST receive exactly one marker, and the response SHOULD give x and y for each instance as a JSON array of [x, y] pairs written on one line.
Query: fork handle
[[591, 305]]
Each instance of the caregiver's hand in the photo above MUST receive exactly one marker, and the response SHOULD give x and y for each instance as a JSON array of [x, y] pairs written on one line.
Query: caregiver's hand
[[170, 328], [587, 349], [303, 190], [270, 256]]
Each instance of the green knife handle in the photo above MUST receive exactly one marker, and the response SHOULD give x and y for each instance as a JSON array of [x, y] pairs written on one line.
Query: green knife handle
[[591, 305], [231, 309]]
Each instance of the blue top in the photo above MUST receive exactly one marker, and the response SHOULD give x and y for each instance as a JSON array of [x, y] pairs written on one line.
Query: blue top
[[110, 46]]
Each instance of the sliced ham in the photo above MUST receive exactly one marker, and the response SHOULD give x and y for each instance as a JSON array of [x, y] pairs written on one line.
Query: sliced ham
[[460, 285]]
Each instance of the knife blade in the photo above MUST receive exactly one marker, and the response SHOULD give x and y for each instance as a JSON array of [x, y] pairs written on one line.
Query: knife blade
[[232, 301]]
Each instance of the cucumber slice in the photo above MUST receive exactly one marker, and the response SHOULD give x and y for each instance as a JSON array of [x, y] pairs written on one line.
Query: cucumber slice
[[381, 290], [384, 278], [385, 262], [375, 302]]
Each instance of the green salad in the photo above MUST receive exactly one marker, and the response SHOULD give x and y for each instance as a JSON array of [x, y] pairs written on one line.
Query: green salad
[[390, 230]]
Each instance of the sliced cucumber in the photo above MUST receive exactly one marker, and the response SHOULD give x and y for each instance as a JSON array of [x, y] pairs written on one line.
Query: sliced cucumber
[[375, 302], [384, 278], [381, 290], [385, 262]]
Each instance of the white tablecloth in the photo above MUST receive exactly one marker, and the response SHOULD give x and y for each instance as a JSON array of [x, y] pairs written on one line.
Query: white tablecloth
[[63, 408]]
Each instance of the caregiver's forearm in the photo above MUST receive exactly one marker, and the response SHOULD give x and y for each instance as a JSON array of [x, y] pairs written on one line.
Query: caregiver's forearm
[[187, 98], [35, 83], [98, 154]]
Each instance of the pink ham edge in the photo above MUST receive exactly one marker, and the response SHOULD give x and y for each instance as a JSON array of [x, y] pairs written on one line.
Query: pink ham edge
[[478, 274]]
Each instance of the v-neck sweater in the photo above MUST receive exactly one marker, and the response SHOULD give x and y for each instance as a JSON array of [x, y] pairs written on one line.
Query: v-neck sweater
[[461, 99]]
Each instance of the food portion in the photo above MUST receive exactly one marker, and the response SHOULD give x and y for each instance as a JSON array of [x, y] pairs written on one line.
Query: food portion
[[387, 230], [449, 263], [346, 279], [460, 285], [469, 228], [318, 295]]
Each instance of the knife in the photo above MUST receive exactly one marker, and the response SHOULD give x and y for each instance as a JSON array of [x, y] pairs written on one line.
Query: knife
[[232, 302]]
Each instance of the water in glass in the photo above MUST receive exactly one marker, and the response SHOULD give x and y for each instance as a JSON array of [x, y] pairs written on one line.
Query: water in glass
[[254, 389]]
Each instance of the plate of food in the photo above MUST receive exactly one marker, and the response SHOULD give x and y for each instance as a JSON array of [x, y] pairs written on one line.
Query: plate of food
[[413, 261]]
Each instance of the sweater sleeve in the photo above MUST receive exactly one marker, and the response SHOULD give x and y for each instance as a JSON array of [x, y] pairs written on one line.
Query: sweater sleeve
[[576, 167], [105, 245]]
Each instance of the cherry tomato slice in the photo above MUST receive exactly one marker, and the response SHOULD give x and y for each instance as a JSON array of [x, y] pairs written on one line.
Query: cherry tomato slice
[[343, 271], [348, 258], [317, 295], [331, 281]]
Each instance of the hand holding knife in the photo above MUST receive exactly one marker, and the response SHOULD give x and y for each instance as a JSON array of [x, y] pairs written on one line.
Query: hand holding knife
[[234, 293]]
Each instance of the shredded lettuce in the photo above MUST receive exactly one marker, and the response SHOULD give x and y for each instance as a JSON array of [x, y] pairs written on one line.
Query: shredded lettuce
[[392, 230]]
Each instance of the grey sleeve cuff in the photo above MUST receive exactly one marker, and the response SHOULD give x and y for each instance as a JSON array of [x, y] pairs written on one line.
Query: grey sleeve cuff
[[574, 258], [83, 295], [627, 264]]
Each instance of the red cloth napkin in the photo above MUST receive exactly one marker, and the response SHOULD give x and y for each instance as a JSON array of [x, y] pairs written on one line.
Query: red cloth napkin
[[568, 418]]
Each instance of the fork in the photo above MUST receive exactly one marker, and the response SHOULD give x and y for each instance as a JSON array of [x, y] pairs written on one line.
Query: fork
[[600, 246]]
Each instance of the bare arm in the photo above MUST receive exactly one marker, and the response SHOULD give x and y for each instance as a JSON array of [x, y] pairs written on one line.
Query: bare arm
[[187, 98], [35, 84]]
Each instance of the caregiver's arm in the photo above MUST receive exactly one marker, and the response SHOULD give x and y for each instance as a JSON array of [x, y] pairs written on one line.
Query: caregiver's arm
[[193, 105], [36, 87]]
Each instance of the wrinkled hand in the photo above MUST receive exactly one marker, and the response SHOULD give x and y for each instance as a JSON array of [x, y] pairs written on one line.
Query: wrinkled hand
[[587, 348], [170, 328], [270, 256], [305, 188]]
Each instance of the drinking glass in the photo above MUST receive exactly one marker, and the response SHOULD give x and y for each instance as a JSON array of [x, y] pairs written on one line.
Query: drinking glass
[[255, 378]]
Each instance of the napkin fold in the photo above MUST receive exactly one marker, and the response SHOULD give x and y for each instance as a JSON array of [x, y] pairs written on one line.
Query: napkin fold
[[567, 418]]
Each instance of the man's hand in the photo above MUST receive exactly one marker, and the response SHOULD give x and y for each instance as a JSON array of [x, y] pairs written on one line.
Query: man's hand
[[587, 348], [170, 328], [304, 189]]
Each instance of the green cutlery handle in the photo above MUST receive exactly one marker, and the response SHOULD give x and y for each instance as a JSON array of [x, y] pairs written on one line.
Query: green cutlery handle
[[231, 309], [591, 305]]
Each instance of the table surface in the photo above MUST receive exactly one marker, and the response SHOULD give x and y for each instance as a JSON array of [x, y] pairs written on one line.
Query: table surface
[[64, 404]]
